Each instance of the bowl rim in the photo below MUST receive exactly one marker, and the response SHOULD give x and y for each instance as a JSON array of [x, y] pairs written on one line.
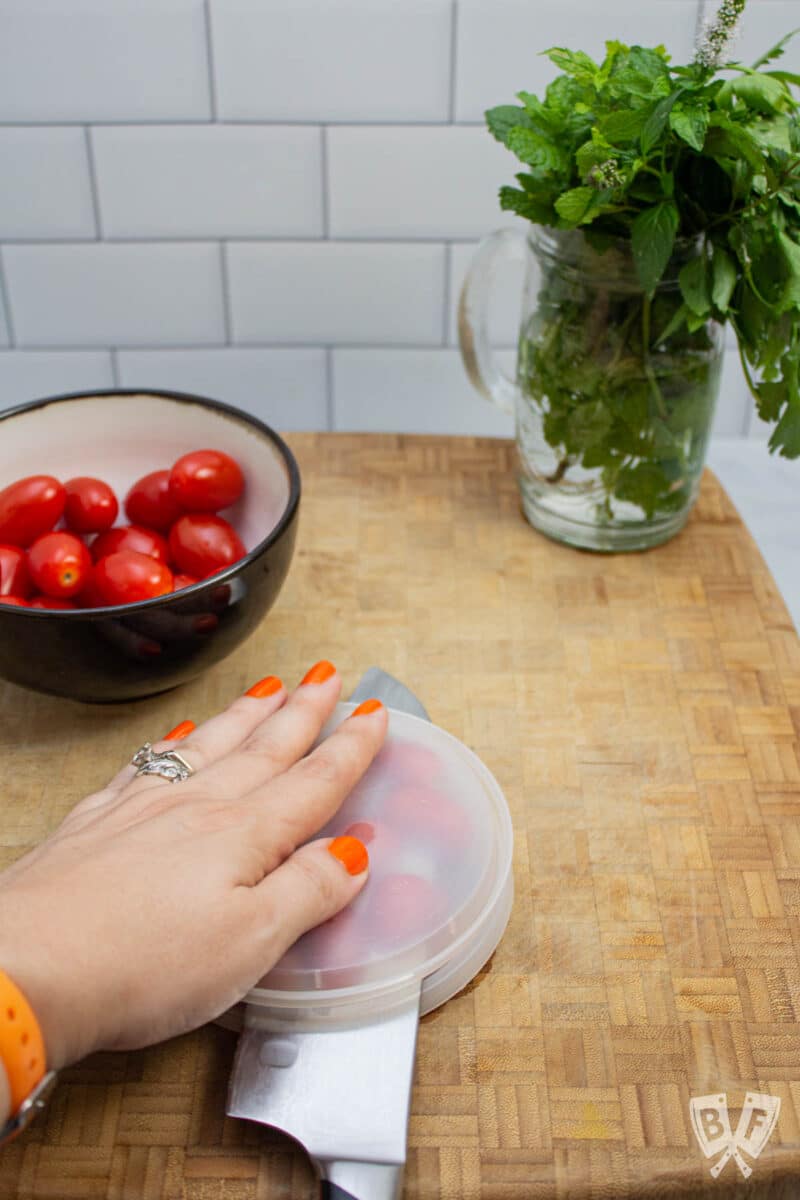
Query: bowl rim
[[289, 460]]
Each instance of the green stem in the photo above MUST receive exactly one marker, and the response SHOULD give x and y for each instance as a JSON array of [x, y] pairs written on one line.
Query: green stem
[[648, 369]]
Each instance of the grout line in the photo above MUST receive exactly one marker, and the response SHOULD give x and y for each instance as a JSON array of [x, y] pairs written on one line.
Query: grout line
[[12, 341], [114, 366], [212, 83], [451, 109], [95, 191], [266, 122], [330, 405], [267, 239], [226, 294], [448, 255], [325, 171], [150, 347]]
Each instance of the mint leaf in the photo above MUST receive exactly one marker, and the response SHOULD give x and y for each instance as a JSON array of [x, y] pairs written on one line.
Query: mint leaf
[[574, 63], [645, 484], [623, 126], [537, 151], [694, 286], [587, 425], [652, 238], [690, 122], [724, 276], [505, 117], [786, 435], [656, 122], [791, 253], [776, 51], [575, 204], [527, 206], [759, 91]]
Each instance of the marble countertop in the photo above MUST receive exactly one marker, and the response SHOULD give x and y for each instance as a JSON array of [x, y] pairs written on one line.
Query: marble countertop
[[766, 491]]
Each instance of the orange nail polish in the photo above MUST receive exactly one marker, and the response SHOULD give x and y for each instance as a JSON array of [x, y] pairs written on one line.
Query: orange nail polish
[[180, 731], [265, 687], [319, 672], [351, 853], [366, 707]]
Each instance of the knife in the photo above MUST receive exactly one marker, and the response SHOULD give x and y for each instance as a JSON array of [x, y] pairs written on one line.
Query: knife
[[343, 1094]]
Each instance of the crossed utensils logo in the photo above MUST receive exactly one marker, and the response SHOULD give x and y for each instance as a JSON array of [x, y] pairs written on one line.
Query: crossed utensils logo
[[712, 1128]]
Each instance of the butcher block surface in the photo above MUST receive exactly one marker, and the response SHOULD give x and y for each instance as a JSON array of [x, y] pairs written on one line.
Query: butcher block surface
[[642, 715]]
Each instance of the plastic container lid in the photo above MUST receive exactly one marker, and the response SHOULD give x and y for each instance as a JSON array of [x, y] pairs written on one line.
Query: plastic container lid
[[438, 832]]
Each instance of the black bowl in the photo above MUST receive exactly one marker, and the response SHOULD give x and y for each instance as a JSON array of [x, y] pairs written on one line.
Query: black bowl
[[134, 650]]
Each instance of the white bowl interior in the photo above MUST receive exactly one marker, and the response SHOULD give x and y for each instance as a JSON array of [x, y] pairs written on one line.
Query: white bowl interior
[[121, 438]]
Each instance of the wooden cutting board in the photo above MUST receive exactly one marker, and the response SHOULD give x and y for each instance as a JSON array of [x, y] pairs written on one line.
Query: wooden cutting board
[[642, 713]]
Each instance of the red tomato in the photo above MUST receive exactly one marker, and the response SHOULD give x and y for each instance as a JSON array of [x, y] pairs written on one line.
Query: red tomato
[[202, 544], [130, 537], [89, 596], [182, 581], [15, 578], [205, 481], [425, 809], [16, 600], [403, 907], [51, 602], [125, 577], [59, 564], [149, 502], [29, 508], [91, 505]]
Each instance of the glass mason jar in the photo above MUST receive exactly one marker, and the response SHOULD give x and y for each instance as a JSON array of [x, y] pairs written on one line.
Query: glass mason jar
[[613, 397]]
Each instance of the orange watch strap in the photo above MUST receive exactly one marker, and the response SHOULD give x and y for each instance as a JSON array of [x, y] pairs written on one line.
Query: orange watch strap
[[21, 1043]]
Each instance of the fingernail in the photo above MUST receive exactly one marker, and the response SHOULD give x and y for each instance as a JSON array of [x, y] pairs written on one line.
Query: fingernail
[[351, 853], [180, 731], [267, 686], [367, 706], [319, 672]]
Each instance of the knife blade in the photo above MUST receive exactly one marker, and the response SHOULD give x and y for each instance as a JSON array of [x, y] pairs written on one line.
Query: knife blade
[[379, 684], [291, 1081]]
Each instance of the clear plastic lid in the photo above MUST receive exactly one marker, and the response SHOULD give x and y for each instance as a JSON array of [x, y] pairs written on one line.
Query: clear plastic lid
[[438, 833]]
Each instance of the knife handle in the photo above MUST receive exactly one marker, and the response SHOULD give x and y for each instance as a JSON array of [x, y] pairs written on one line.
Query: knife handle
[[332, 1191]]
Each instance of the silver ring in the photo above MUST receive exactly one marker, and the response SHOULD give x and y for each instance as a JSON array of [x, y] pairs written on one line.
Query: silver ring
[[168, 764]]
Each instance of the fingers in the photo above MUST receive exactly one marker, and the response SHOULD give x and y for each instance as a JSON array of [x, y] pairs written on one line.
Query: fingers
[[206, 744], [292, 808], [311, 886], [276, 744]]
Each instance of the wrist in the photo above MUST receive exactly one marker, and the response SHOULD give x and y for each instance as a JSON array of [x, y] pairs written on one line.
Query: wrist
[[42, 1003], [5, 1096]]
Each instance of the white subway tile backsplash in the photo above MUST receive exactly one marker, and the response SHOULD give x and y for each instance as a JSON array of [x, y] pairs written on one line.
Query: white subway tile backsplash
[[209, 180], [46, 191], [734, 402], [763, 24], [29, 375], [105, 294], [287, 388], [505, 301], [416, 182], [352, 60], [500, 44], [411, 391], [130, 60], [4, 333], [336, 292]]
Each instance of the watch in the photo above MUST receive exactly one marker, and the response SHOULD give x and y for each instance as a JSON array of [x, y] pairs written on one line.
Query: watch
[[30, 1106], [23, 1056]]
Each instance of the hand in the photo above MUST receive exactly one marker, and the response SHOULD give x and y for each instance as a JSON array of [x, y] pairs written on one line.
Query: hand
[[156, 906]]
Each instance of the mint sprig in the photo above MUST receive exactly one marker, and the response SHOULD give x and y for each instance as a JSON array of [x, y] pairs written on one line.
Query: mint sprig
[[662, 156]]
